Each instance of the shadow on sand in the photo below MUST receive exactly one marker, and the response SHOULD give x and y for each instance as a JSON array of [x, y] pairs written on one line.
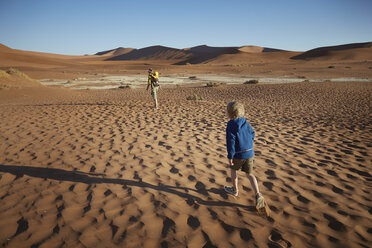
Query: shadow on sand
[[94, 178]]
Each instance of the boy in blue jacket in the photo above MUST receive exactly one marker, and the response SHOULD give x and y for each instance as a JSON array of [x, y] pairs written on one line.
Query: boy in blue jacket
[[239, 141]]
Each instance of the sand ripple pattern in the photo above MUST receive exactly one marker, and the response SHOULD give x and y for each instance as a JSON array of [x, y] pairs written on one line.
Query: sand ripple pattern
[[104, 169]]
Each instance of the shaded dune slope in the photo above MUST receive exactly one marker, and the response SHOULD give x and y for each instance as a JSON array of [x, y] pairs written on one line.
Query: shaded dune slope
[[152, 53], [193, 55], [116, 52], [343, 52]]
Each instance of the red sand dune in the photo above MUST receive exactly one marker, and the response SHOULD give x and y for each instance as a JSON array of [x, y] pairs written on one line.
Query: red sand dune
[[258, 49], [116, 51], [152, 53], [193, 55], [361, 51], [16, 58], [245, 60]]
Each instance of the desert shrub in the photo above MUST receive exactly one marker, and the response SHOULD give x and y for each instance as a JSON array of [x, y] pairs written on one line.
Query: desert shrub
[[211, 84], [214, 84], [331, 66], [192, 77], [3, 74], [370, 67], [195, 97], [252, 81], [14, 71], [188, 63]]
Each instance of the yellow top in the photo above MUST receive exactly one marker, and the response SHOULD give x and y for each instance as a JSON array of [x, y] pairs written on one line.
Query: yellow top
[[151, 78]]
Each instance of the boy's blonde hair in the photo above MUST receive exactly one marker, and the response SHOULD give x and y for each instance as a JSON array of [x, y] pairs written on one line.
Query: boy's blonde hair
[[235, 110]]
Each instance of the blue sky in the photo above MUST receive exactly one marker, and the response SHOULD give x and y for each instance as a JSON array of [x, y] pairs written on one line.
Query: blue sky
[[89, 26]]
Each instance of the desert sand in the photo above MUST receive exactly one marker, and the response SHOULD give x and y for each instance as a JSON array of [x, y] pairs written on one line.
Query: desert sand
[[102, 168]]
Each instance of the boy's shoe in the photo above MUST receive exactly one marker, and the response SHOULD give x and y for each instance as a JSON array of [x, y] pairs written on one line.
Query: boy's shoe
[[261, 205], [260, 201], [231, 191]]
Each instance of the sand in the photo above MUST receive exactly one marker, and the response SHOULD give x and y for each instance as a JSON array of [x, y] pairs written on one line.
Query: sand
[[104, 169]]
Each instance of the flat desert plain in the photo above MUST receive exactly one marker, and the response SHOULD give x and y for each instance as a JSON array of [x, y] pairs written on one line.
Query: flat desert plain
[[102, 168]]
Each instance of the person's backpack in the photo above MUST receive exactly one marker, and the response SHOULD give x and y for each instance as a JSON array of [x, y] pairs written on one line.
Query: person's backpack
[[155, 82]]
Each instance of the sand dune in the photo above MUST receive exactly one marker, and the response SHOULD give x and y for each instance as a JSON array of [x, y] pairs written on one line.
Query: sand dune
[[257, 49], [241, 61], [153, 52], [249, 58], [208, 49], [115, 52], [4, 48], [104, 169], [17, 58], [361, 51], [194, 55]]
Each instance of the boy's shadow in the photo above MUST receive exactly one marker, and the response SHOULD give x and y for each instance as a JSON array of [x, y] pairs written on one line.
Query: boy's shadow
[[95, 178]]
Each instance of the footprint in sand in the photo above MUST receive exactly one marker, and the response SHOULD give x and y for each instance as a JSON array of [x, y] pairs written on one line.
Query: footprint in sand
[[276, 240]]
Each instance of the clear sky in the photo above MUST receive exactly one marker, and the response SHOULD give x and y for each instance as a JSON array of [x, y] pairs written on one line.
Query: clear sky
[[89, 26]]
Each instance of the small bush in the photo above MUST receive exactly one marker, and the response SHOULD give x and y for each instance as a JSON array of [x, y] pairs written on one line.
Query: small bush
[[14, 71], [252, 81], [195, 97], [3, 74], [192, 77], [125, 86], [370, 67], [331, 66], [211, 84]]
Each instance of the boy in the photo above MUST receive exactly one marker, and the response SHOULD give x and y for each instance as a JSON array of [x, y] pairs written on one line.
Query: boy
[[239, 141]]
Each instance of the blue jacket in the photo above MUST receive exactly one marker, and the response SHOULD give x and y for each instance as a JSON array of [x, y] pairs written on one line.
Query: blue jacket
[[239, 139]]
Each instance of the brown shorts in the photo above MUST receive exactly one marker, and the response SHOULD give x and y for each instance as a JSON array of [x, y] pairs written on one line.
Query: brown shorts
[[245, 165]]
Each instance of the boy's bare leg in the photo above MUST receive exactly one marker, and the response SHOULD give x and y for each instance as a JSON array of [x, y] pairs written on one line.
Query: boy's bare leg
[[234, 179], [254, 184]]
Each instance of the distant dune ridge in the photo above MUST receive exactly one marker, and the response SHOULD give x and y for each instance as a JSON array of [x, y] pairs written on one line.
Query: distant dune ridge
[[12, 57], [152, 52], [116, 52], [347, 51], [195, 55], [204, 53]]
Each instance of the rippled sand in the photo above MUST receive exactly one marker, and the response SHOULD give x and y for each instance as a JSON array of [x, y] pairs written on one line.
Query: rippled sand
[[105, 169]]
